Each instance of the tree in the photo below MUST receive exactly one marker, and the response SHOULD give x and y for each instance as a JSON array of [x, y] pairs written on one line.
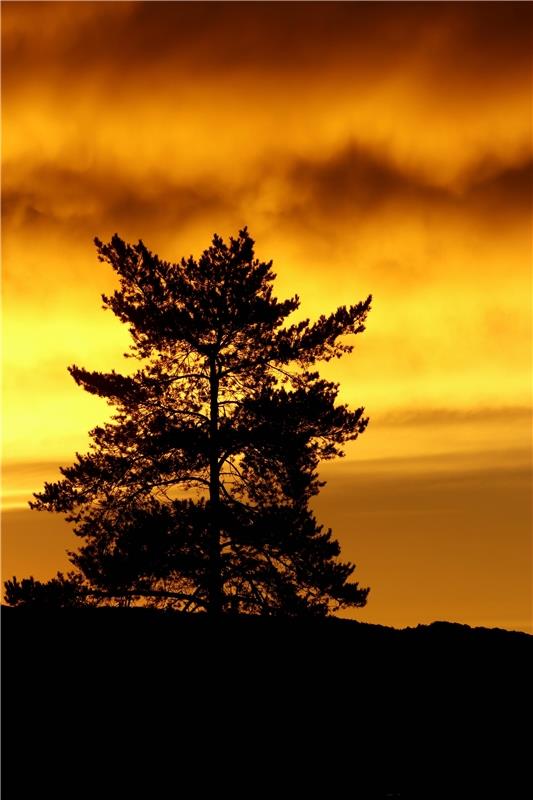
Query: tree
[[59, 592], [196, 493]]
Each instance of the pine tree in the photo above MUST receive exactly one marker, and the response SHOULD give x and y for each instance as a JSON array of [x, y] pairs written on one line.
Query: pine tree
[[196, 494]]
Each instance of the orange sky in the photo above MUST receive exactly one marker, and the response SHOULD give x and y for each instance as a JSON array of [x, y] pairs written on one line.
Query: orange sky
[[369, 147]]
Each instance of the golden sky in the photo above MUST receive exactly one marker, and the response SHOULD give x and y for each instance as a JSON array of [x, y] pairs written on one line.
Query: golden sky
[[370, 148]]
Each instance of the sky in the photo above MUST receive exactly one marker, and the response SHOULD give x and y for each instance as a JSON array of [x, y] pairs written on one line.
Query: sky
[[379, 148]]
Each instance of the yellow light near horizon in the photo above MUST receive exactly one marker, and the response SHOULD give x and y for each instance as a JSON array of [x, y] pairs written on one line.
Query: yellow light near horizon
[[435, 343]]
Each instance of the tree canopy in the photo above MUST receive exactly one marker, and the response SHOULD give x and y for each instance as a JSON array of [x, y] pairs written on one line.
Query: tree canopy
[[196, 493]]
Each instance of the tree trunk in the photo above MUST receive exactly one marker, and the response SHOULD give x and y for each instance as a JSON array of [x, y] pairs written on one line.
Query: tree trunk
[[215, 579]]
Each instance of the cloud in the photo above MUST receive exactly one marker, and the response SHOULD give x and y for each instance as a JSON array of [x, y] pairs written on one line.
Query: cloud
[[386, 148], [462, 42], [354, 182], [436, 86], [85, 202], [463, 416], [351, 186], [500, 193]]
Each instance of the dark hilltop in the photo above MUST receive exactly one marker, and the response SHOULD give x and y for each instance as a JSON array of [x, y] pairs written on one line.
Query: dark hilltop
[[121, 698]]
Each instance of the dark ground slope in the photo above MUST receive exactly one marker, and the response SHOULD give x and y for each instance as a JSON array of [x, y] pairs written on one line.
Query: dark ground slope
[[101, 702]]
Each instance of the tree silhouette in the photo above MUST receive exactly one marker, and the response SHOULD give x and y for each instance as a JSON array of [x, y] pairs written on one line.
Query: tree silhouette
[[196, 494], [62, 591]]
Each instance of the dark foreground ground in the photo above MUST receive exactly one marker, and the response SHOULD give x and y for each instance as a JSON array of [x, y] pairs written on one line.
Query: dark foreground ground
[[122, 703]]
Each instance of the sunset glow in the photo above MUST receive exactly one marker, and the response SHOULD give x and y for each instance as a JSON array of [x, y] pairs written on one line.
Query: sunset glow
[[369, 148]]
